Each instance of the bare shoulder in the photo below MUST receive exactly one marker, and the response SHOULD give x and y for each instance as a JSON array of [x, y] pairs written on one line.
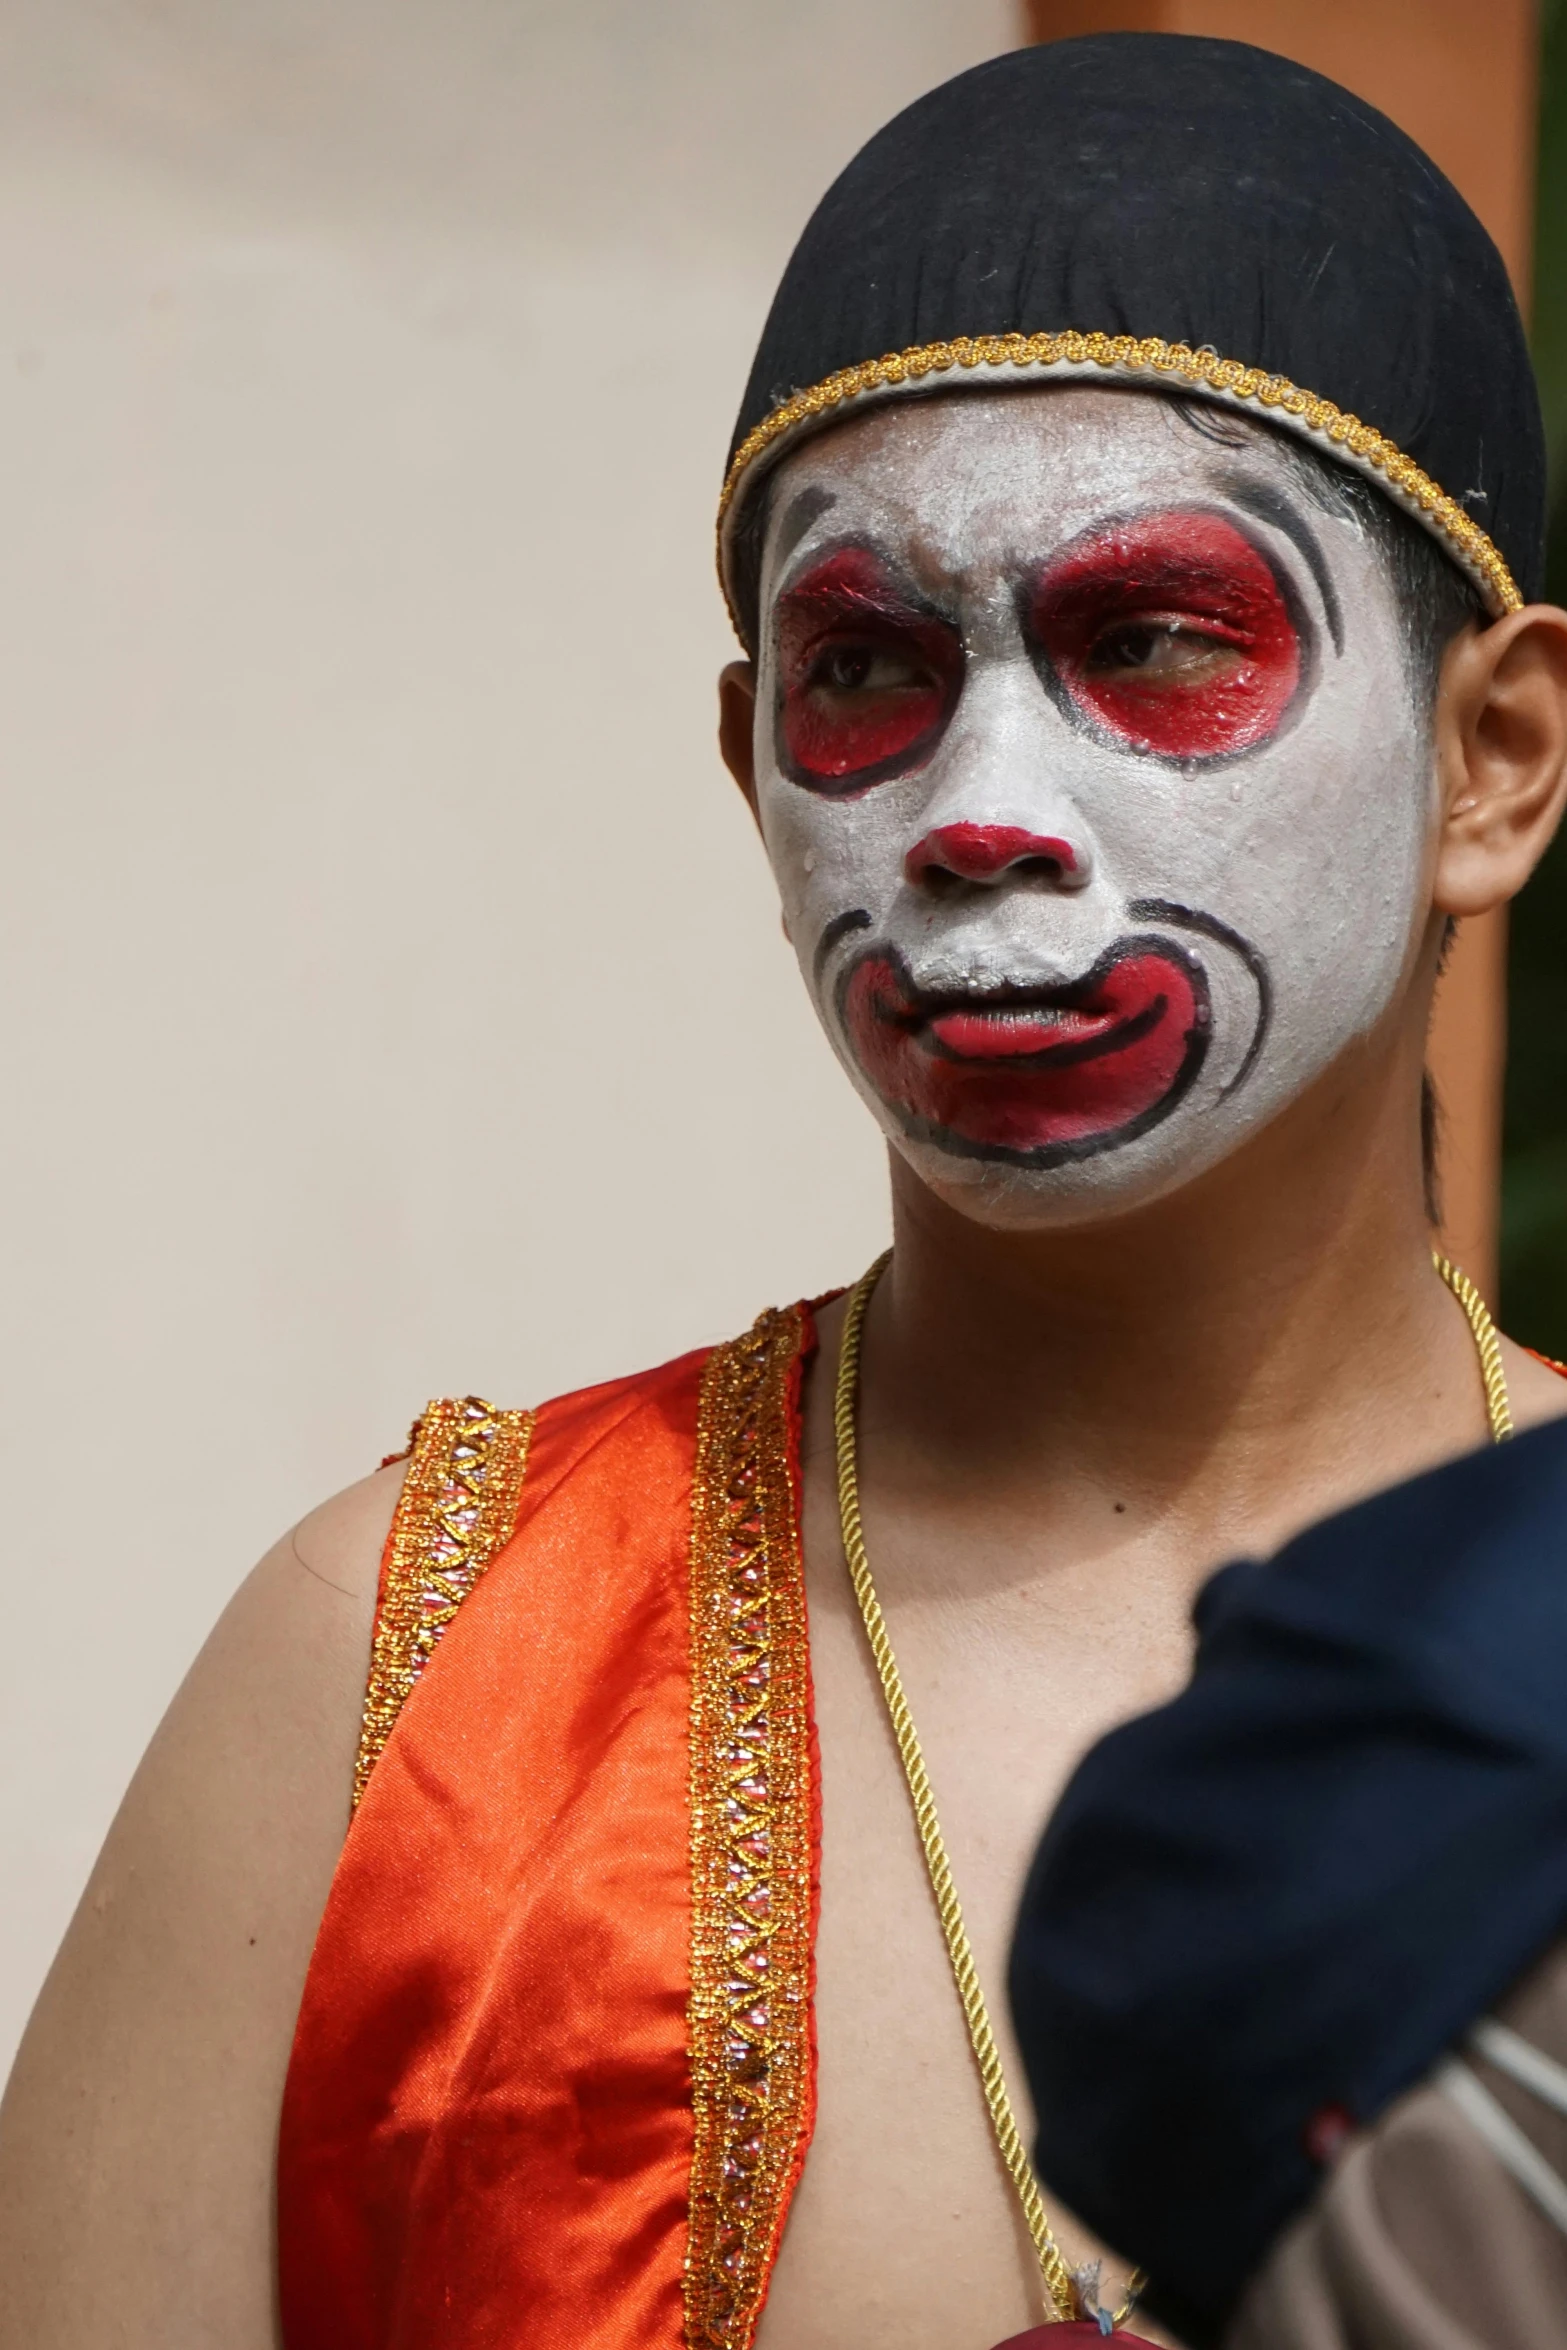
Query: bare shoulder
[[137, 2135], [341, 1542], [1538, 1391]]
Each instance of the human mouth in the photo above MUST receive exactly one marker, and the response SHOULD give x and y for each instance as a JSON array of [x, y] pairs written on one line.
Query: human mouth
[[1009, 1030], [1040, 1075]]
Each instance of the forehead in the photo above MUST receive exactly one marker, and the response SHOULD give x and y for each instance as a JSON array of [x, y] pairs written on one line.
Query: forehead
[[958, 479]]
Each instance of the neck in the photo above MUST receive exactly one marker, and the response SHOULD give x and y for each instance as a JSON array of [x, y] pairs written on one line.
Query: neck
[[1257, 1349]]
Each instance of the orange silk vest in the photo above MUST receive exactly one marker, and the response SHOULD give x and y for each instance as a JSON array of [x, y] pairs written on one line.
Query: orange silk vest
[[554, 2074]]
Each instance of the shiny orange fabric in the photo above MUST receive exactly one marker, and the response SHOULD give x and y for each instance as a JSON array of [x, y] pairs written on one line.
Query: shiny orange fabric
[[487, 2126]]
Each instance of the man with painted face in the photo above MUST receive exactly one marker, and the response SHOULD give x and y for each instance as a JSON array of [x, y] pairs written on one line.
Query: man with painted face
[[1130, 526]]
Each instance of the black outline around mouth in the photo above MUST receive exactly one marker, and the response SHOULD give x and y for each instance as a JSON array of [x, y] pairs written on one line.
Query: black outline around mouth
[[1209, 926], [1160, 910], [1052, 1154]]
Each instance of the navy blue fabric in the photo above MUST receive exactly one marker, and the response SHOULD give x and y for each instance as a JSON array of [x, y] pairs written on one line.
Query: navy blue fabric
[[1294, 1886], [1205, 191]]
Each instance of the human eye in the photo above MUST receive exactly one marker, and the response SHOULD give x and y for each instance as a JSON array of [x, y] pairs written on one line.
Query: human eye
[[1170, 647], [868, 669], [866, 682], [1170, 633]]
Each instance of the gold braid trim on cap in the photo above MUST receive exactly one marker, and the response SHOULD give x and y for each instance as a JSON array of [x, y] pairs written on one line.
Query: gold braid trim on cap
[[752, 1834], [1150, 359], [458, 1507]]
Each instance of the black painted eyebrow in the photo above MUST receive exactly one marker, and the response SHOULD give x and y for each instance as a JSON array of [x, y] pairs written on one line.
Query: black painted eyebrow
[[1271, 505], [804, 508]]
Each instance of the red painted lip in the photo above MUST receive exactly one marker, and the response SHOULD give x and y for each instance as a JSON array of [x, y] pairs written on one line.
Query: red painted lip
[[1041, 1075]]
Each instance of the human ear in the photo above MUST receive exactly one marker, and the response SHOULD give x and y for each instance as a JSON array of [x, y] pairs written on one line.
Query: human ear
[[737, 725], [1501, 756]]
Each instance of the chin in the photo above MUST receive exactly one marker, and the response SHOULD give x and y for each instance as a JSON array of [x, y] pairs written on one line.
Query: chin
[[1008, 1197]]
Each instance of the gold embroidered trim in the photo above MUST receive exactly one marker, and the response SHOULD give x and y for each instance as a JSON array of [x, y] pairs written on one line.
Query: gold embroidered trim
[[1154, 360], [457, 1509], [752, 1834]]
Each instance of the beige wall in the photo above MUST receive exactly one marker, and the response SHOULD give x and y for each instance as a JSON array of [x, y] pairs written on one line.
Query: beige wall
[[393, 997]]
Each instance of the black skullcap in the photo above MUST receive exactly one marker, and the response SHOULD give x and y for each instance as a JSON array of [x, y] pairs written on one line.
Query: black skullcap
[[1179, 192], [1261, 1913]]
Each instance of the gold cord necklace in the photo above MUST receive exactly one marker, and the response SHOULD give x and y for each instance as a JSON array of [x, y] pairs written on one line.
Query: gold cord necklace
[[1062, 2294], [1488, 1346]]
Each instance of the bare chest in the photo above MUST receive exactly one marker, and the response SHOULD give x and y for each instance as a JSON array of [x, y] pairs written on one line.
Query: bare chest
[[905, 2229]]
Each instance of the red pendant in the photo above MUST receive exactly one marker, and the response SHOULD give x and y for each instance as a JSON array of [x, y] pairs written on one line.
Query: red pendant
[[1077, 2329]]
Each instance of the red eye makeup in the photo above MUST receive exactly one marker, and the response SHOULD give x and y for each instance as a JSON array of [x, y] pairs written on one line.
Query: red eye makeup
[[868, 679], [1171, 634]]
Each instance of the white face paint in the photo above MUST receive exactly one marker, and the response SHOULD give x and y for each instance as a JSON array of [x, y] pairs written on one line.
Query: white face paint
[[1090, 772]]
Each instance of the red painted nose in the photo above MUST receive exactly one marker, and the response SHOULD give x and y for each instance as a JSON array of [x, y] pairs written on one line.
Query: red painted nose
[[983, 852]]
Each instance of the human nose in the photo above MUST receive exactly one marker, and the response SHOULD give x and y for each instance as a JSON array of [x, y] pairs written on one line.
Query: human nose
[[1003, 810], [984, 852]]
